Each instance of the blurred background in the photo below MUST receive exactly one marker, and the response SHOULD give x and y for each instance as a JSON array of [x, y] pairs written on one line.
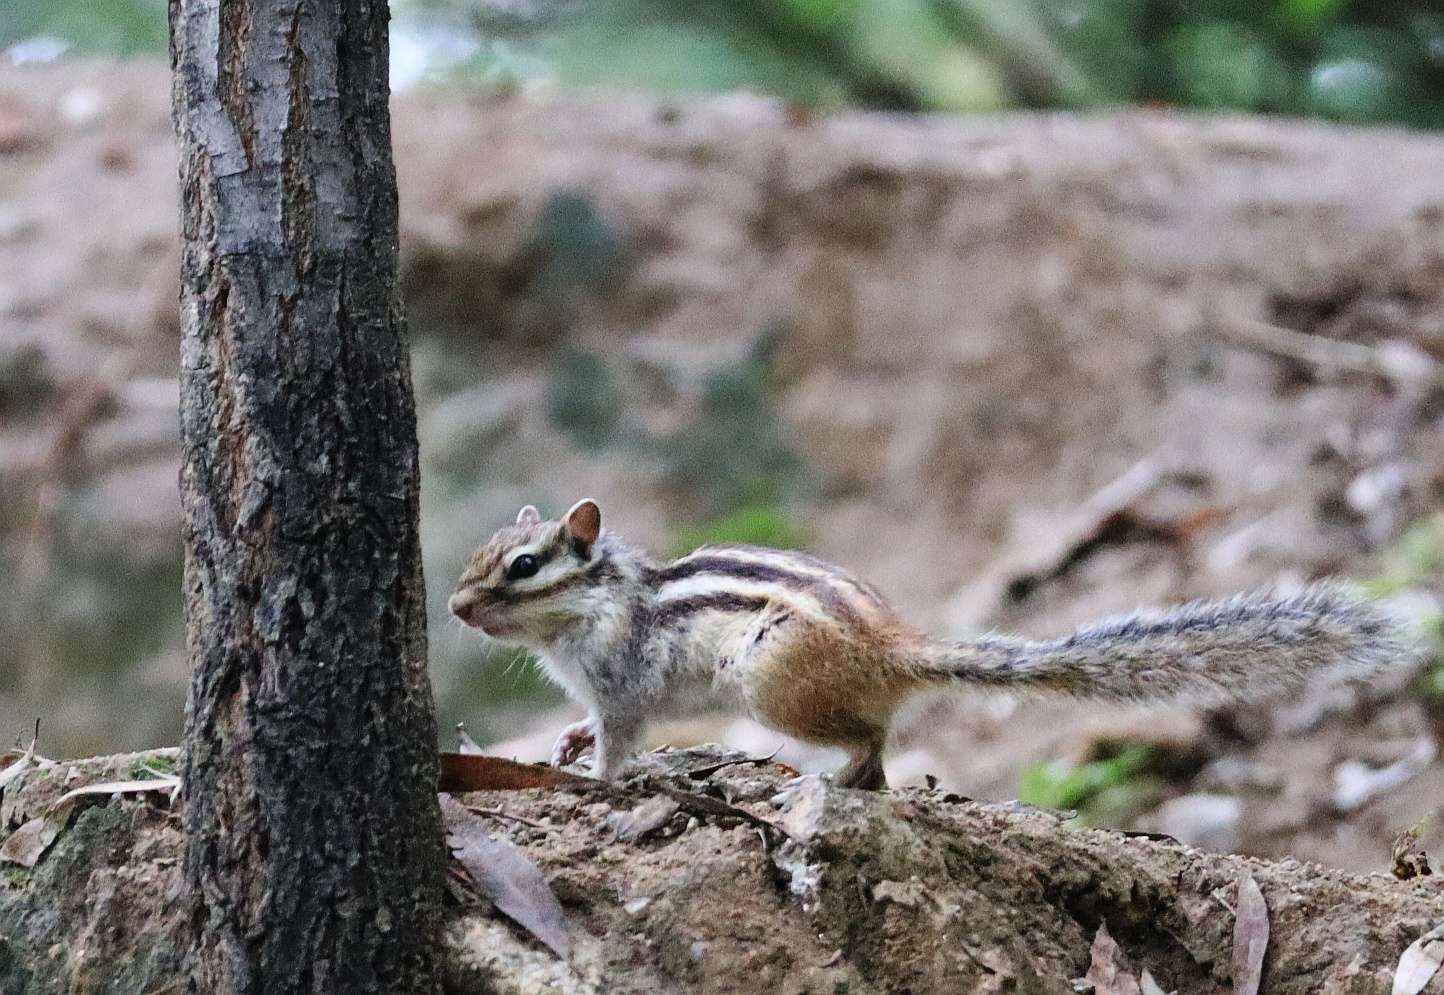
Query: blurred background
[[1019, 369]]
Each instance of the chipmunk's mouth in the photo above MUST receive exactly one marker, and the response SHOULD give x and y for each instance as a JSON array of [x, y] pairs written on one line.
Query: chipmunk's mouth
[[496, 628], [476, 615]]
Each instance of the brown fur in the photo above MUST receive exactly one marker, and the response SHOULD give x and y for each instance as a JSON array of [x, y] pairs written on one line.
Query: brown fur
[[816, 654]]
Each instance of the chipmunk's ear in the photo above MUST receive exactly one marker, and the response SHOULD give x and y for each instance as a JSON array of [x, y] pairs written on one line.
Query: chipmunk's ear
[[528, 516], [584, 522]]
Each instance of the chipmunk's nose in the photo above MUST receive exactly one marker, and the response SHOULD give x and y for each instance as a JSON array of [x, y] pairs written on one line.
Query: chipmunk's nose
[[462, 604]]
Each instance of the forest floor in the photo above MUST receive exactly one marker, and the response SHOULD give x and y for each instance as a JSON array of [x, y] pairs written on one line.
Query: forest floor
[[708, 871], [1111, 362]]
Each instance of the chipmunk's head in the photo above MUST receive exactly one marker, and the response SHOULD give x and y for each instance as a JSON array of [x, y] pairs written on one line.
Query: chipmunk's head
[[536, 580]]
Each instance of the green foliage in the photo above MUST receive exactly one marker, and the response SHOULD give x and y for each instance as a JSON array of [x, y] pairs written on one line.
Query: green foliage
[[92, 27], [1431, 631], [496, 679], [1221, 64], [732, 454], [1104, 790], [577, 250], [150, 767], [1419, 552], [668, 48], [754, 525], [1375, 61], [1416, 560], [1352, 60], [582, 399]]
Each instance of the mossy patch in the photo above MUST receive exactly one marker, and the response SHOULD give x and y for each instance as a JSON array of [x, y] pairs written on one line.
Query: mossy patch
[[151, 766]]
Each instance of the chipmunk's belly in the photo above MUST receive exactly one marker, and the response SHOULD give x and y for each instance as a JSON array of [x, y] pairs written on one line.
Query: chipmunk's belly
[[696, 696], [699, 672]]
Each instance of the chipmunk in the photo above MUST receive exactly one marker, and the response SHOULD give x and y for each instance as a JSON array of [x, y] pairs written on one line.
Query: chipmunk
[[809, 650]]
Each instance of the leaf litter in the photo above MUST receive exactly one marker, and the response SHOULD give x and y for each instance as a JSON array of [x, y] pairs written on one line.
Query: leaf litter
[[1108, 969], [1110, 973], [22, 764], [26, 845], [1149, 986], [1250, 936], [1420, 962], [462, 772], [507, 876]]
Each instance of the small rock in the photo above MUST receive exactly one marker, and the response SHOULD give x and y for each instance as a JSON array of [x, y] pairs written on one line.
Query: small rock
[[81, 106], [648, 817], [1203, 820], [1356, 783], [1235, 774], [37, 50], [909, 894]]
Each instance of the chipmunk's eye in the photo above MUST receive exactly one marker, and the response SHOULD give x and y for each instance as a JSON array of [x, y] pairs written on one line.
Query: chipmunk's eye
[[523, 566]]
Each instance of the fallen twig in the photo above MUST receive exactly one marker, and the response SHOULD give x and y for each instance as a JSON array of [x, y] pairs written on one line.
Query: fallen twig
[[497, 813], [1399, 362]]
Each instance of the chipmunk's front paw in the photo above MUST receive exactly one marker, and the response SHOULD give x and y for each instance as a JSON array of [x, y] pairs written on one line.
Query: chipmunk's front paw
[[575, 740]]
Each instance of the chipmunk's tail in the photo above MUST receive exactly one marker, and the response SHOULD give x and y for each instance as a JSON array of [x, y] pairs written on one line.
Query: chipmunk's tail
[[1207, 652]]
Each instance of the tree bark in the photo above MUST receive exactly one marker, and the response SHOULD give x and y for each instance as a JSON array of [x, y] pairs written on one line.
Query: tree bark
[[314, 854]]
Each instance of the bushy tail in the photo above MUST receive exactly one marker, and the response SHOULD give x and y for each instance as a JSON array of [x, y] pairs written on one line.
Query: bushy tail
[[1207, 652]]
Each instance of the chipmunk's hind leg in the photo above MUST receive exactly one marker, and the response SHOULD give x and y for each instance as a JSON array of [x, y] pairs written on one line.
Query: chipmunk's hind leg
[[864, 771], [812, 680]]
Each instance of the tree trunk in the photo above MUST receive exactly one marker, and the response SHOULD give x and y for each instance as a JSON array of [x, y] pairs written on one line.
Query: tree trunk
[[314, 854]]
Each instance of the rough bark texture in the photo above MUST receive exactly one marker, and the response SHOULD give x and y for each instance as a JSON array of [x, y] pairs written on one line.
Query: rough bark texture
[[314, 851], [912, 891]]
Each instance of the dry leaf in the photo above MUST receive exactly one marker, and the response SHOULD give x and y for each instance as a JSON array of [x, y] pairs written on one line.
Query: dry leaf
[[22, 764], [648, 817], [169, 784], [1149, 986], [28, 844], [470, 772], [464, 742], [706, 771], [705, 806], [15, 769], [1250, 936], [1108, 969], [507, 876], [1420, 962]]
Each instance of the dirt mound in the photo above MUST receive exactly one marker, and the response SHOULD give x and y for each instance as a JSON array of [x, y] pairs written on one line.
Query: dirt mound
[[739, 881]]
